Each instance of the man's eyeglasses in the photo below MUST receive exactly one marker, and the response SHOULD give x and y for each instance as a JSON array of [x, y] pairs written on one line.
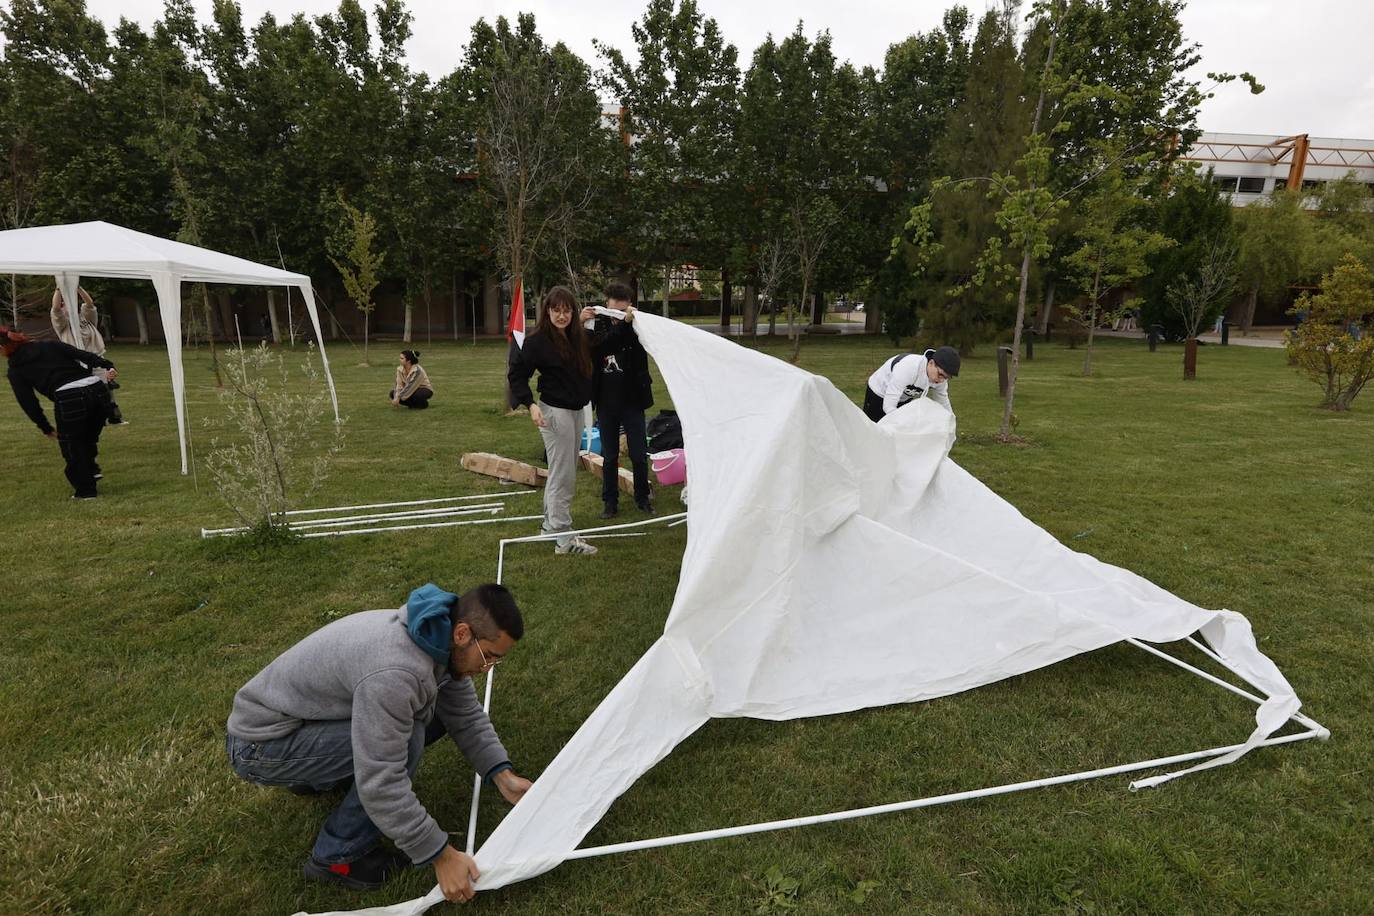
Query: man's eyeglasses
[[487, 663]]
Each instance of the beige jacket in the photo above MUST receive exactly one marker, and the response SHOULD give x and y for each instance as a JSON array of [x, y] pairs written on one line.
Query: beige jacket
[[90, 339]]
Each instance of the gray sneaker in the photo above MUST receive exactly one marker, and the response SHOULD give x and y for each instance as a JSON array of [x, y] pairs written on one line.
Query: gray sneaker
[[576, 545]]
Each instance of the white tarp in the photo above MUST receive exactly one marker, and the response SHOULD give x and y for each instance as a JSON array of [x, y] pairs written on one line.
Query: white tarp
[[98, 249], [807, 519]]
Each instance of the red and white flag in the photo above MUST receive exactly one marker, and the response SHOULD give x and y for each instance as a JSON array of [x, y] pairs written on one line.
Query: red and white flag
[[515, 328]]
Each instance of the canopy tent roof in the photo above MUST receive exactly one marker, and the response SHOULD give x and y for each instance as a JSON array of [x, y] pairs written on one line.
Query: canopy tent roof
[[100, 249]]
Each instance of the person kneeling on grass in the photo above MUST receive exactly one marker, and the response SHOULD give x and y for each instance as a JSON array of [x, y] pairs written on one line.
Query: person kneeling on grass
[[353, 706], [412, 387]]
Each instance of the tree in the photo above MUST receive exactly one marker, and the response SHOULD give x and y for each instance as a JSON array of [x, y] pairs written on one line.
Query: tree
[[352, 252], [1112, 248], [679, 100], [1333, 343], [1275, 239], [799, 156], [1198, 218], [1197, 298], [538, 126]]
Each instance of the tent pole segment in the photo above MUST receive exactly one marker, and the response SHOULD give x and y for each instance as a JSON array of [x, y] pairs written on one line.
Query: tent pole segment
[[920, 802], [1323, 733], [412, 502], [477, 777], [480, 521]]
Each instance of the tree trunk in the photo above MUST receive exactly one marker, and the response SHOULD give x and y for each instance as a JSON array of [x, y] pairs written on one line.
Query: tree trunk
[[725, 297], [1190, 359], [817, 308], [210, 334], [796, 340], [410, 320], [142, 317], [749, 320], [272, 315], [667, 288], [429, 313], [14, 302], [1092, 322], [453, 294], [772, 316], [1045, 309], [1005, 432], [1248, 318]]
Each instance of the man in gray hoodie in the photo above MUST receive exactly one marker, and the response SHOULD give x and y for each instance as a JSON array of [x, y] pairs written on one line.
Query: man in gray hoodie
[[352, 707]]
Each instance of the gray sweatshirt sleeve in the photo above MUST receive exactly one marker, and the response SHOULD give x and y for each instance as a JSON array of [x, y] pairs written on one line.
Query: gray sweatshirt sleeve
[[468, 725], [386, 707]]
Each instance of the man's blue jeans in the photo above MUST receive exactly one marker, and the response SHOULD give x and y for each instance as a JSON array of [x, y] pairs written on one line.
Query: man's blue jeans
[[319, 756]]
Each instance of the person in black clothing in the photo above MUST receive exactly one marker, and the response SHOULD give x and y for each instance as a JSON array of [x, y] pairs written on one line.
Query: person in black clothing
[[62, 373], [621, 391], [560, 352]]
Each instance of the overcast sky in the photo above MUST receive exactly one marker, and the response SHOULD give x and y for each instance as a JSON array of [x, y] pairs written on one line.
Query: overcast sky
[[1313, 57]]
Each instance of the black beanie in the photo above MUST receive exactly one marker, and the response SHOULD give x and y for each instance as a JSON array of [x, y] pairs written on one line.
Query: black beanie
[[947, 358]]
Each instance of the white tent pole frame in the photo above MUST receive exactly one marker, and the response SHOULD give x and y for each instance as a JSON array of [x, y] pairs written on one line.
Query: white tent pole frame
[[1323, 732], [412, 502], [500, 571], [480, 521], [1315, 730], [429, 515], [408, 515], [921, 802]]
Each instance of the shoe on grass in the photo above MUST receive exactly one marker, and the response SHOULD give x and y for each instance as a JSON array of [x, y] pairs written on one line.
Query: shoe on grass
[[366, 873], [576, 545], [610, 511], [645, 505]]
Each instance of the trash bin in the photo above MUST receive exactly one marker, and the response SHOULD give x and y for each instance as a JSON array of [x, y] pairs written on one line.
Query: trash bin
[[1028, 338], [1225, 333]]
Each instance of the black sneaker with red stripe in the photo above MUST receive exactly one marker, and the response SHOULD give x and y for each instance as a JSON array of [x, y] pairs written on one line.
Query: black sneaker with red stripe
[[365, 873]]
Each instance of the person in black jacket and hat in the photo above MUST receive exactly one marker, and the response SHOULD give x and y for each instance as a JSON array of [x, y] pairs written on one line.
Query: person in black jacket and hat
[[622, 390], [62, 373]]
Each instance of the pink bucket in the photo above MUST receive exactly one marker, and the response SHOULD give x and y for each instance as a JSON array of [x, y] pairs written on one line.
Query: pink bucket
[[670, 467]]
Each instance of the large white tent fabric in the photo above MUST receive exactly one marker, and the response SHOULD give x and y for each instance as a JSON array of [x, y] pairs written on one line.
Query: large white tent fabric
[[98, 249], [806, 519]]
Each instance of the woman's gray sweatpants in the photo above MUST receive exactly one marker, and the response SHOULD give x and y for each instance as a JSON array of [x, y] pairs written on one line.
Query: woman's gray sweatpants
[[562, 432]]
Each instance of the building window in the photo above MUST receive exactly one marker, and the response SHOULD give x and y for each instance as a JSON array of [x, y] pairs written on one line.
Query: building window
[[1312, 184], [1280, 184], [1225, 182], [1251, 186]]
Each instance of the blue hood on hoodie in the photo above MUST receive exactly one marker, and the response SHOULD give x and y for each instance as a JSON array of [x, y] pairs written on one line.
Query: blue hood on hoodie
[[428, 622]]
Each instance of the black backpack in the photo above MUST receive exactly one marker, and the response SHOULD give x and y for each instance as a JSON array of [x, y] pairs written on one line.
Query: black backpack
[[665, 431]]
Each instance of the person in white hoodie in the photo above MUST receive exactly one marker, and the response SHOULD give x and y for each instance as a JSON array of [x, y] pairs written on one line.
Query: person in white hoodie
[[907, 377]]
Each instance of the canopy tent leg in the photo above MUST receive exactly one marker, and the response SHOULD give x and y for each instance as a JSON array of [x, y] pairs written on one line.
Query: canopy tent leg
[[308, 294], [168, 287]]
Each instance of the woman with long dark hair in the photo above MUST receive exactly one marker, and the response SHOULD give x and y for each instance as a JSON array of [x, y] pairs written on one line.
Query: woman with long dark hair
[[560, 351], [411, 387]]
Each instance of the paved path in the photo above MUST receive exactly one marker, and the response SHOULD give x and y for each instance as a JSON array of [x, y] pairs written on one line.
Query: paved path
[[1272, 343]]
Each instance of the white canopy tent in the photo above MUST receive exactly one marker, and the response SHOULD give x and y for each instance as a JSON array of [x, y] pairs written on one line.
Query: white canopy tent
[[806, 518], [99, 249]]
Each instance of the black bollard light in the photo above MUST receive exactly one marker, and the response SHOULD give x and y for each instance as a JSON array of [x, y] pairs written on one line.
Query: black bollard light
[[1225, 333], [1156, 332], [1028, 335], [1003, 370]]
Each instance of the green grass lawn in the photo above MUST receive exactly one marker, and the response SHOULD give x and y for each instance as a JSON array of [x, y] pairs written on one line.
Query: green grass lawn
[[126, 635]]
